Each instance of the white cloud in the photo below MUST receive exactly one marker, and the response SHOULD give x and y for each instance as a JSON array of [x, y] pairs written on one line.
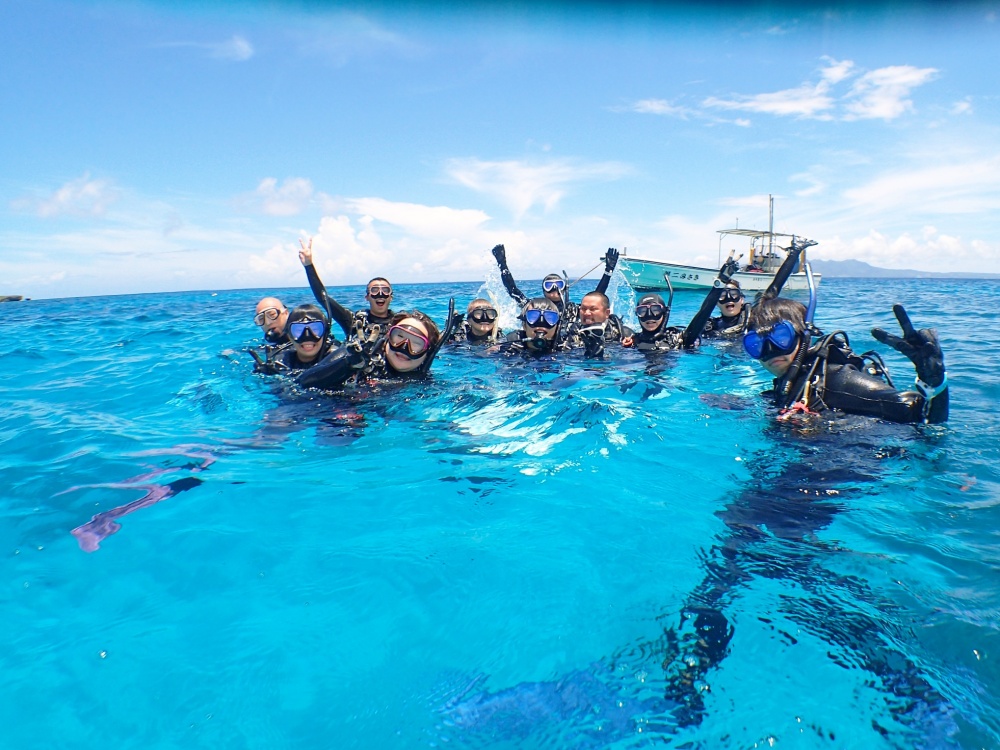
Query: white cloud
[[808, 100], [836, 71], [659, 107], [881, 94], [290, 198], [82, 197], [963, 107], [236, 49], [520, 185], [426, 221], [343, 37]]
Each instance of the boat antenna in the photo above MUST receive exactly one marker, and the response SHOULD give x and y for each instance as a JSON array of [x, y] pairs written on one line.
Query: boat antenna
[[770, 224]]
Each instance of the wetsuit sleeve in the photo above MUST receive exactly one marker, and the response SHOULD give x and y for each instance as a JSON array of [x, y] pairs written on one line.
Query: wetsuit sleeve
[[785, 270], [856, 392], [507, 277], [334, 309], [610, 261], [697, 325], [334, 369]]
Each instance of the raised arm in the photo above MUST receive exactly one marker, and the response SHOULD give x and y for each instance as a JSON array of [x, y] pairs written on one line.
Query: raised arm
[[336, 311], [610, 261], [794, 253], [697, 324], [500, 253]]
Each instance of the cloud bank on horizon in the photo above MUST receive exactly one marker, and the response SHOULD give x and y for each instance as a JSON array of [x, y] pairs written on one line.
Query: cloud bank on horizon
[[157, 149]]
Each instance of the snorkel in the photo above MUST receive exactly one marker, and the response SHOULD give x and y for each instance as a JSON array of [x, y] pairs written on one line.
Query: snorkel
[[670, 299], [787, 398], [449, 329]]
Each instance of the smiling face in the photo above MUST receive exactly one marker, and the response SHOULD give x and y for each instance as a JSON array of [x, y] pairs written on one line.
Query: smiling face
[[379, 295], [407, 345], [309, 341], [594, 310], [481, 327], [731, 302]]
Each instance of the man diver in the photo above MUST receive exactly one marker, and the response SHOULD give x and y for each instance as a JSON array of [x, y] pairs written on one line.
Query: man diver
[[811, 377], [271, 316], [539, 334], [554, 286], [364, 325], [595, 326]]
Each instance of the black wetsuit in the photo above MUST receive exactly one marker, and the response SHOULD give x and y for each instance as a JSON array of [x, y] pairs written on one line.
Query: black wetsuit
[[362, 325], [284, 358], [831, 376], [464, 335], [663, 339], [518, 342], [723, 327], [592, 338]]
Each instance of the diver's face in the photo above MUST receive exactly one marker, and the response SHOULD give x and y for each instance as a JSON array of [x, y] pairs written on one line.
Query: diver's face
[[379, 295], [553, 287], [731, 302], [538, 330], [270, 315], [407, 344], [779, 365], [651, 325], [309, 345], [482, 326], [593, 311]]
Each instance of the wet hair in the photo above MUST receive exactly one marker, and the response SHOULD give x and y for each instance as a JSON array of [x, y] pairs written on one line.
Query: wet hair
[[734, 284], [539, 303], [767, 312], [600, 295], [308, 312], [433, 334], [478, 302], [651, 299], [378, 278], [553, 276]]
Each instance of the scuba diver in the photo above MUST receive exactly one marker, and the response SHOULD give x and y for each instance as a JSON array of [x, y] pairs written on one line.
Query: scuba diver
[[734, 314], [595, 326], [308, 331], [811, 377], [363, 325], [406, 350], [653, 314], [554, 286], [479, 326], [271, 316], [539, 334]]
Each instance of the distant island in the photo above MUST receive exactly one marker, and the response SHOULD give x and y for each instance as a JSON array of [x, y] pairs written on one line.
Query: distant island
[[856, 269], [11, 298]]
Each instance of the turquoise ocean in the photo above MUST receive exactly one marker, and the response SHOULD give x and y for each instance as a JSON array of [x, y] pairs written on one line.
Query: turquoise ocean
[[507, 555]]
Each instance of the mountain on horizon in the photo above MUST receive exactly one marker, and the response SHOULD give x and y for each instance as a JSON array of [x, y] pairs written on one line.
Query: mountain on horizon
[[857, 269]]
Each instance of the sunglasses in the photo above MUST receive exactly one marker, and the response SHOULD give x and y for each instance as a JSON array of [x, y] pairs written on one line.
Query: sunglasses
[[730, 295], [558, 284], [408, 342], [304, 330], [269, 314], [483, 315], [380, 291], [650, 312], [541, 318], [777, 341]]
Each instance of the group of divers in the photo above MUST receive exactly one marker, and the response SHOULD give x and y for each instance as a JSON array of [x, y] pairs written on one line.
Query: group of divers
[[813, 371]]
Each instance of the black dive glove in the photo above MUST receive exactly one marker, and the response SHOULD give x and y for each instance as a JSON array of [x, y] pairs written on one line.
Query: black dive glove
[[593, 342], [920, 347], [610, 260], [500, 253], [729, 268]]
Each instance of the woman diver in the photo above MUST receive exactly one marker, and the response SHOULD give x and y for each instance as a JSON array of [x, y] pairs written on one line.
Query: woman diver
[[479, 326], [308, 332], [735, 312], [405, 350], [539, 334]]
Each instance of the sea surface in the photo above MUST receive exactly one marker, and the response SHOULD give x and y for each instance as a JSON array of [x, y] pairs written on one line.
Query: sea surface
[[511, 555]]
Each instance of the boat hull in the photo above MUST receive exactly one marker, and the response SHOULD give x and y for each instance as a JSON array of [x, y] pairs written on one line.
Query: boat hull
[[648, 276]]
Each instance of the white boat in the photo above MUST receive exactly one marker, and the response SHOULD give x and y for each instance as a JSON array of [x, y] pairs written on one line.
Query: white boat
[[764, 258]]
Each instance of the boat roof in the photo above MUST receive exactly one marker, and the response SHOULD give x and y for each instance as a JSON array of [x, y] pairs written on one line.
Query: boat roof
[[754, 233]]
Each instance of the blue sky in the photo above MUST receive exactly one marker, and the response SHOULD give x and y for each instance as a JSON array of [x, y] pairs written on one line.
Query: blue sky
[[153, 147]]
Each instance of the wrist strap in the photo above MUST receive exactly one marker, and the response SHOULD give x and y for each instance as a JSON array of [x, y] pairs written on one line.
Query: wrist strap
[[930, 392]]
